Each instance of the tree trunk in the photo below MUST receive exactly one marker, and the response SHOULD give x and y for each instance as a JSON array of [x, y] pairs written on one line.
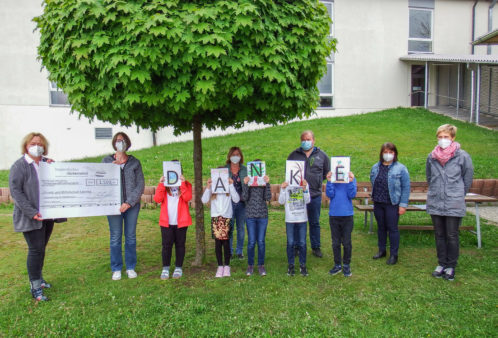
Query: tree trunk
[[200, 241]]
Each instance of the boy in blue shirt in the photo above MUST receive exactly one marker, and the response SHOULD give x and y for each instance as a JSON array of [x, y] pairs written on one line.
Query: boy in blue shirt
[[341, 221]]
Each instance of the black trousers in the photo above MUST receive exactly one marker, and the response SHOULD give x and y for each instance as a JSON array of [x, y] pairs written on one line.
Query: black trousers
[[173, 235], [447, 239], [37, 241], [340, 229], [220, 244]]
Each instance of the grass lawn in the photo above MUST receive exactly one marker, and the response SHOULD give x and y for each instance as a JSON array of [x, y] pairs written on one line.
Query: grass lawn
[[378, 300], [412, 130]]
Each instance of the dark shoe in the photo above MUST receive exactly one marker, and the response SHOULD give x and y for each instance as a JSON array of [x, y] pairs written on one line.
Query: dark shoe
[[240, 256], [304, 271], [45, 285], [38, 295], [346, 270], [290, 270], [335, 270], [250, 270], [317, 252], [438, 272], [379, 254], [449, 274], [392, 260], [262, 270], [296, 252]]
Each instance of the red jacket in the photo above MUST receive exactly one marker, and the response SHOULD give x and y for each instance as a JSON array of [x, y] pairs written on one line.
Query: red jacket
[[184, 219]]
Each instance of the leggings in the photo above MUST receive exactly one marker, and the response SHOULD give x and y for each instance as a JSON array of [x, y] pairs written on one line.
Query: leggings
[[175, 235], [218, 245], [37, 241]]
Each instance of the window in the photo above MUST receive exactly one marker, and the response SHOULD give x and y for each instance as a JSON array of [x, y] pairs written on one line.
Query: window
[[57, 96], [325, 85], [420, 32], [103, 133]]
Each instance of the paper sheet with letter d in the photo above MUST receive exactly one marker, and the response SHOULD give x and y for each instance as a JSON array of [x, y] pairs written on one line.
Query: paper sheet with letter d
[[69, 189]]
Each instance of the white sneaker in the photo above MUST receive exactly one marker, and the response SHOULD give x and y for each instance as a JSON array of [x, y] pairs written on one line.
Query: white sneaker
[[219, 272], [165, 273], [226, 271], [116, 275], [131, 273]]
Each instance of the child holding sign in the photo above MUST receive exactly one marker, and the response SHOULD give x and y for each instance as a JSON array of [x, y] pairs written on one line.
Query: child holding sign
[[221, 214], [174, 220], [256, 198], [341, 221]]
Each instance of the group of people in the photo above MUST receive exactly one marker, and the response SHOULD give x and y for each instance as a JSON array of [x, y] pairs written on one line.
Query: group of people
[[449, 174]]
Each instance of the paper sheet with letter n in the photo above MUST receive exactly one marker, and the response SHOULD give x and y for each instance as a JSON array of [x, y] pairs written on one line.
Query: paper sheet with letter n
[[256, 170], [69, 189]]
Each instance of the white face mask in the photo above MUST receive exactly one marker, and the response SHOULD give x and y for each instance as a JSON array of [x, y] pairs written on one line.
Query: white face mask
[[388, 157], [235, 159], [121, 146], [36, 151], [444, 142]]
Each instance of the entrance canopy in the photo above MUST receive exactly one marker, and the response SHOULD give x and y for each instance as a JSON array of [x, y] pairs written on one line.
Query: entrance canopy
[[490, 38], [446, 58]]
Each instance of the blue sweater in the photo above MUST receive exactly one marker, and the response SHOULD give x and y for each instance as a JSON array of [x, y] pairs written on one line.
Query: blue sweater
[[341, 196]]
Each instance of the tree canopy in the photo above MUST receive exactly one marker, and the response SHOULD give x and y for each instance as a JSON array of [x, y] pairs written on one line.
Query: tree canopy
[[160, 63]]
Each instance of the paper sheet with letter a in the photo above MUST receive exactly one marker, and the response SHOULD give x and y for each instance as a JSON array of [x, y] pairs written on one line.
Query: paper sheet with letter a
[[69, 189]]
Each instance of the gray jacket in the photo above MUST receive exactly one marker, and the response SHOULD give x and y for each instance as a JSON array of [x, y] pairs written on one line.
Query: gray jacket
[[24, 188], [449, 184], [132, 180]]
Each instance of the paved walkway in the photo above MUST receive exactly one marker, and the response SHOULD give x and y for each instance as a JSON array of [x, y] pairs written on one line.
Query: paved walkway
[[489, 213]]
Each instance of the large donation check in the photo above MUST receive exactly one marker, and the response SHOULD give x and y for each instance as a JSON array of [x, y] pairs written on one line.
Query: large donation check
[[69, 189]]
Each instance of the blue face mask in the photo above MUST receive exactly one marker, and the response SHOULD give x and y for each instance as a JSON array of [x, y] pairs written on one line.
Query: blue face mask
[[306, 145]]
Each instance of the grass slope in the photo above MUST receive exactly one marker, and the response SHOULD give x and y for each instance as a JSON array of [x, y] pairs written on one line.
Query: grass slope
[[360, 136]]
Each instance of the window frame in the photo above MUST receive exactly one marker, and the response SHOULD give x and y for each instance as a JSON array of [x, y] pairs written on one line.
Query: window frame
[[330, 59], [431, 39], [52, 87]]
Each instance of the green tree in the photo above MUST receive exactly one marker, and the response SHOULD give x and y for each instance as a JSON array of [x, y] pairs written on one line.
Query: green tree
[[187, 64]]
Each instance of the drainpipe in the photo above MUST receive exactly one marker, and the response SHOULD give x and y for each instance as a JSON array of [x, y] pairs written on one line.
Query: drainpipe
[[474, 24], [490, 21]]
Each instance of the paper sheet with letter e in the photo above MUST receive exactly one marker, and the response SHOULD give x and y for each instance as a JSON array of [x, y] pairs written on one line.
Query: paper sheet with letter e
[[294, 172], [69, 189], [339, 166], [172, 170], [256, 170], [219, 181]]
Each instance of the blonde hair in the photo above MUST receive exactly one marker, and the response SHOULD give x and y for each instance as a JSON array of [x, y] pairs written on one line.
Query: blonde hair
[[28, 139], [447, 128]]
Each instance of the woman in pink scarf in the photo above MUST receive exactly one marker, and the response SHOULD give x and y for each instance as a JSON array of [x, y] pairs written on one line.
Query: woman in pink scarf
[[449, 173]]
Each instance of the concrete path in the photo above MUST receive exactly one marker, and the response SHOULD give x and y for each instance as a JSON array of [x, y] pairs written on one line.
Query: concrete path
[[489, 213]]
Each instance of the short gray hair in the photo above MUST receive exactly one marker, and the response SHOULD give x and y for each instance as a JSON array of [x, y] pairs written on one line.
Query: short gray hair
[[308, 132]]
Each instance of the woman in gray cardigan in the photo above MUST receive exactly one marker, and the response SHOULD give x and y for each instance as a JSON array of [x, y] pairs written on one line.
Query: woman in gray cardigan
[[449, 174], [132, 188], [24, 188]]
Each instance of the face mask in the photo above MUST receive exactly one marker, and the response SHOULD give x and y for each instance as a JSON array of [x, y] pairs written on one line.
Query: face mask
[[306, 145], [388, 157], [36, 151], [444, 142], [121, 146], [235, 159]]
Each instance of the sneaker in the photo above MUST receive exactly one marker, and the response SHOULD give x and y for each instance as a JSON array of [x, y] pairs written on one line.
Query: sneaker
[[240, 256], [131, 273], [346, 270], [38, 295], [449, 274], [250, 270], [226, 271], [165, 273], [116, 275], [336, 269], [262, 270], [438, 271], [219, 272], [290, 270], [45, 285], [177, 273], [304, 271], [317, 252]]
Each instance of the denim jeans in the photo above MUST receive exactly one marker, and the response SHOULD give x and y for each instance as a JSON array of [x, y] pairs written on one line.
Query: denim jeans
[[37, 241], [239, 218], [447, 239], [340, 229], [129, 218], [313, 208], [256, 232], [294, 241], [387, 216]]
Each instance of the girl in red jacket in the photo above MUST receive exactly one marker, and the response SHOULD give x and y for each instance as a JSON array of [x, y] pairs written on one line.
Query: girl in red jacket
[[174, 221]]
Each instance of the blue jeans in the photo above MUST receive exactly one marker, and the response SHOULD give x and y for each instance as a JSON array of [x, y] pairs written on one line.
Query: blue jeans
[[313, 207], [129, 218], [256, 232], [387, 216], [298, 241], [239, 218]]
